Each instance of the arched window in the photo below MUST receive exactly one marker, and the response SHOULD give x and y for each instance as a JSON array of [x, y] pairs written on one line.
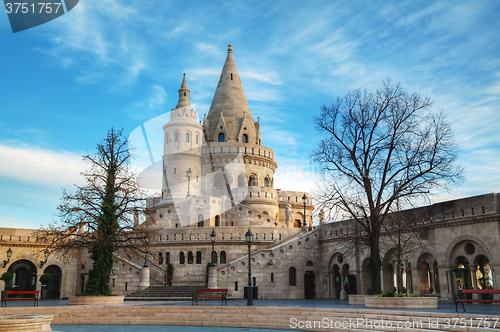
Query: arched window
[[190, 258], [242, 180], [266, 182], [182, 259], [184, 94], [218, 180], [244, 139], [221, 137], [253, 181], [200, 220], [166, 138], [292, 277], [187, 137], [176, 137], [197, 139], [167, 258], [160, 258], [198, 257], [309, 263], [223, 257], [217, 220], [214, 257]]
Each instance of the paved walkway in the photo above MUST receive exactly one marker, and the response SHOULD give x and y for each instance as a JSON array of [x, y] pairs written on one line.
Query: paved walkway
[[478, 308], [152, 328]]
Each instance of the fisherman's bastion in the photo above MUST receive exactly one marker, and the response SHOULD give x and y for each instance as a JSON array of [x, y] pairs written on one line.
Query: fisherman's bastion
[[218, 176]]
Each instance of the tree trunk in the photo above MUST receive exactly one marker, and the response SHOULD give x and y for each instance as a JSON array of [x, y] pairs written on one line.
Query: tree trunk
[[376, 262]]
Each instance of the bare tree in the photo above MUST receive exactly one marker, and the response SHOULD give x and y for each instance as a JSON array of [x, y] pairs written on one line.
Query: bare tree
[[104, 215], [379, 147]]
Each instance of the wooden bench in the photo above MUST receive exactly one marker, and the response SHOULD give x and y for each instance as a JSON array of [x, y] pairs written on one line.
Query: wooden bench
[[476, 291], [9, 295], [207, 293]]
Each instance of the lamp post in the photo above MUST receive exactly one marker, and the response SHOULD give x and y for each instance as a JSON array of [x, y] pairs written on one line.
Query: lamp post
[[188, 175], [46, 254], [249, 238], [212, 239], [9, 255], [304, 200]]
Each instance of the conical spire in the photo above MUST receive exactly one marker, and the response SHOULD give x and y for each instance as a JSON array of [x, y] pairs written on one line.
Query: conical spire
[[183, 94], [230, 102]]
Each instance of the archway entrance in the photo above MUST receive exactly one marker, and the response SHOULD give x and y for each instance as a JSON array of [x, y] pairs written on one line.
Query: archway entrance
[[309, 285], [24, 275], [54, 288]]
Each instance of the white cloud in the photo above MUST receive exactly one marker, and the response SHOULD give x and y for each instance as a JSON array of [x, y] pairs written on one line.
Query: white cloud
[[35, 165], [271, 77], [151, 104]]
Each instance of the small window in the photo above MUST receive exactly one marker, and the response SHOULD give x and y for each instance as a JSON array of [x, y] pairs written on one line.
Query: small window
[[235, 285], [217, 220], [244, 139], [198, 257], [472, 210], [175, 170], [463, 214], [166, 138], [167, 260], [182, 259], [221, 137], [187, 137], [160, 258], [197, 139], [272, 277], [231, 76], [200, 220], [266, 182], [253, 181], [190, 258], [482, 209], [254, 281], [242, 180], [292, 277], [309, 263], [184, 94], [177, 137], [223, 257], [214, 257]]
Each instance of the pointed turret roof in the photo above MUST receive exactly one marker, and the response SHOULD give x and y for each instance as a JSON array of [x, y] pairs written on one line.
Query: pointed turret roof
[[183, 94], [231, 103]]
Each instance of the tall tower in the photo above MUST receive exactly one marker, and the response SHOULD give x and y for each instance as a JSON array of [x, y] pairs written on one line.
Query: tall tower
[[182, 146], [233, 138]]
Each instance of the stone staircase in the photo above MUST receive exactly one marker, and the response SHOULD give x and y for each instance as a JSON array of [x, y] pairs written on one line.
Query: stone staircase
[[157, 292], [290, 318]]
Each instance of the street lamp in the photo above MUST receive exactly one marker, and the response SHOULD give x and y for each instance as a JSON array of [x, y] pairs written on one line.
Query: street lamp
[[46, 254], [212, 239], [249, 238], [9, 255], [304, 200], [188, 175]]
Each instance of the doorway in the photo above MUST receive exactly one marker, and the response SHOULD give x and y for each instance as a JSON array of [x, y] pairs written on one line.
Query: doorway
[[309, 285], [54, 288], [24, 275]]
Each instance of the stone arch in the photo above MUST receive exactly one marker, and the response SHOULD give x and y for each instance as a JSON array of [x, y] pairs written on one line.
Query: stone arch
[[366, 275], [462, 238], [24, 275], [292, 276], [267, 182], [426, 278], [244, 138], [242, 180], [222, 138], [335, 265], [200, 220], [253, 180], [54, 287]]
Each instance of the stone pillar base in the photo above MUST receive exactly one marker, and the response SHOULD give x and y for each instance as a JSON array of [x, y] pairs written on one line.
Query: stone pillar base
[[212, 277], [343, 295], [144, 278]]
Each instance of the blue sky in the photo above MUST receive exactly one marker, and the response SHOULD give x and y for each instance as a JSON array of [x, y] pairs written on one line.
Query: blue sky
[[120, 63]]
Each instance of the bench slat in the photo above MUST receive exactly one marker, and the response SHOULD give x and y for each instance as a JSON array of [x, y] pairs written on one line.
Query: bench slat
[[481, 291]]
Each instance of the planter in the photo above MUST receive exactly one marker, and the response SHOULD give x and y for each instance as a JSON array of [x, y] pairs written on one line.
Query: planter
[[95, 300], [359, 299], [401, 302], [27, 323]]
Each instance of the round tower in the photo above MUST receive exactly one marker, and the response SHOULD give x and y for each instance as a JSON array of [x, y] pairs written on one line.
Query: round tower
[[233, 137], [182, 147]]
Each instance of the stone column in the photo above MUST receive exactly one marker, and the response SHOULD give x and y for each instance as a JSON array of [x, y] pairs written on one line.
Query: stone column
[[144, 283], [212, 277], [343, 293]]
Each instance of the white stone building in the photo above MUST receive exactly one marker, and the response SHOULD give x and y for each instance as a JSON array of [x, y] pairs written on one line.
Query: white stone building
[[218, 176]]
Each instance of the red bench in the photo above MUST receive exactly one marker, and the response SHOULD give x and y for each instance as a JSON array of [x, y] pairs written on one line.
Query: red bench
[[207, 293], [476, 291], [9, 295]]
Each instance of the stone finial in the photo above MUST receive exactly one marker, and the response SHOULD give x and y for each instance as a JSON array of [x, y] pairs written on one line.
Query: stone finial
[[230, 48]]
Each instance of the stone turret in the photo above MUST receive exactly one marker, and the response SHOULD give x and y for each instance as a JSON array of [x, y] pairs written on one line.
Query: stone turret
[[182, 146], [229, 118]]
